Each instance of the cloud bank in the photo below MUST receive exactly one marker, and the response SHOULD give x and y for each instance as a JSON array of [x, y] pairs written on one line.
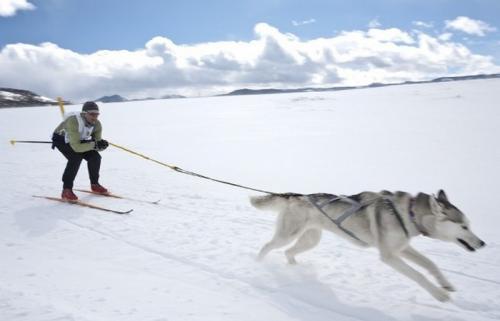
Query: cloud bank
[[9, 8], [271, 59]]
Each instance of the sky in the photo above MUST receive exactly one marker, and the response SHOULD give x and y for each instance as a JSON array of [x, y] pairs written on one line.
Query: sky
[[86, 49]]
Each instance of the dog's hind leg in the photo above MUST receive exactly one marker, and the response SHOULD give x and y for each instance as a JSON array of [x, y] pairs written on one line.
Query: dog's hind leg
[[306, 241], [277, 242], [399, 265], [288, 228], [418, 258]]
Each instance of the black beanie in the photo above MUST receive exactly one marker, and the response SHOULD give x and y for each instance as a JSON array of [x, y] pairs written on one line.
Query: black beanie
[[90, 106]]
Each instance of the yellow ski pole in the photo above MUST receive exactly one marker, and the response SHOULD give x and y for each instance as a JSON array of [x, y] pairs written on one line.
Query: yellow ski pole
[[60, 102]]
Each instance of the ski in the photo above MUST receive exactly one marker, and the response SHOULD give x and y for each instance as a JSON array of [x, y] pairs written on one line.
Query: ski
[[117, 196], [84, 204]]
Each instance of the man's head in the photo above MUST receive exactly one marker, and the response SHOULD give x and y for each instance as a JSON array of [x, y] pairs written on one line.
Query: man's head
[[90, 112]]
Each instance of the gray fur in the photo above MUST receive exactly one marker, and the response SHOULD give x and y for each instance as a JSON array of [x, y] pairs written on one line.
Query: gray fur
[[384, 221]]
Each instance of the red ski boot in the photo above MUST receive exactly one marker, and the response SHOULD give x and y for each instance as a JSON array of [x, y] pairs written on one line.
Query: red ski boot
[[97, 188], [68, 195]]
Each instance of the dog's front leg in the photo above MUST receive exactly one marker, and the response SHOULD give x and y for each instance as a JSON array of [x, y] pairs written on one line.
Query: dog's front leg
[[399, 265], [418, 258]]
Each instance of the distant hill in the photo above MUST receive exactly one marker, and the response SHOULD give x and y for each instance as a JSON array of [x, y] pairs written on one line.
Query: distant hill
[[172, 96], [119, 99], [10, 97], [473, 77], [162, 97], [112, 99], [247, 91]]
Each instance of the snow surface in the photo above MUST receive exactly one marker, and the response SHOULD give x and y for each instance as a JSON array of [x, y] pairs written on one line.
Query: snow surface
[[193, 256]]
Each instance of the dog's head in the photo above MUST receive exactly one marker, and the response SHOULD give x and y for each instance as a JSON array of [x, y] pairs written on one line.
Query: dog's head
[[448, 223]]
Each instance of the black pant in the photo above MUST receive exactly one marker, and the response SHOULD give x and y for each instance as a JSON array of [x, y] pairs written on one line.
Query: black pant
[[74, 160]]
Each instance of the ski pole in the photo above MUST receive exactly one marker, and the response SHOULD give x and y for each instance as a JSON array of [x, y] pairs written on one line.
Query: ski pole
[[29, 142], [60, 102]]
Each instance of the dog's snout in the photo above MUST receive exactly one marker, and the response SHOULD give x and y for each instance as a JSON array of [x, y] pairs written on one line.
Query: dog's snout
[[482, 243]]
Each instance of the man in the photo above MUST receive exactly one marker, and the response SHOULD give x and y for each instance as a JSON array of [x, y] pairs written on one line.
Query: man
[[78, 137]]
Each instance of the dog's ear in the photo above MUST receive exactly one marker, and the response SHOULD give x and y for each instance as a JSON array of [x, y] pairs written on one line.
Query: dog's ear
[[435, 207], [442, 196]]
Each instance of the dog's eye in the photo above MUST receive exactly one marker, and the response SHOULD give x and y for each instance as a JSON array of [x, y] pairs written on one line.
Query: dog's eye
[[465, 227]]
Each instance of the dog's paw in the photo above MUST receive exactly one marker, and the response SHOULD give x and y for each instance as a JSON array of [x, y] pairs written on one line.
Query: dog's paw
[[441, 295], [292, 261]]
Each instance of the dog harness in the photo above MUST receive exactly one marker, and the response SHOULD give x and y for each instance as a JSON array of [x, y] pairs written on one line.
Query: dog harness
[[414, 219], [355, 206]]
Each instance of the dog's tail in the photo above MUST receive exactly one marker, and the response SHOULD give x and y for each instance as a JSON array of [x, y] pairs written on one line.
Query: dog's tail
[[273, 202]]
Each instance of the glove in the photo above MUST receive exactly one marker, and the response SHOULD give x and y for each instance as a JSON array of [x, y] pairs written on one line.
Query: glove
[[101, 145], [57, 140]]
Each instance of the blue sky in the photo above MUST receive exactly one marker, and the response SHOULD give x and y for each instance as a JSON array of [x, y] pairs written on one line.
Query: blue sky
[[90, 25], [82, 28]]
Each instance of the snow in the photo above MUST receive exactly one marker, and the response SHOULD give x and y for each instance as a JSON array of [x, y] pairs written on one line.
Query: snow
[[19, 97], [46, 99], [193, 256], [10, 96]]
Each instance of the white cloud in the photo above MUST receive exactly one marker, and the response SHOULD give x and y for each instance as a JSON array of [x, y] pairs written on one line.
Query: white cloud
[[10, 7], [469, 26], [301, 23], [423, 24], [445, 36], [390, 35], [271, 59], [374, 23]]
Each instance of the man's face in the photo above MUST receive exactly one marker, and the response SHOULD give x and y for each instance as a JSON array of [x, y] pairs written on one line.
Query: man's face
[[91, 117]]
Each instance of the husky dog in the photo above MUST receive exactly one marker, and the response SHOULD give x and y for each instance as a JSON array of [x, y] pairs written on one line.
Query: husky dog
[[383, 220]]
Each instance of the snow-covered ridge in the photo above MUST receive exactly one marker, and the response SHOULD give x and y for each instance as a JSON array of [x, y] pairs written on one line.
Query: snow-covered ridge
[[10, 97], [247, 91]]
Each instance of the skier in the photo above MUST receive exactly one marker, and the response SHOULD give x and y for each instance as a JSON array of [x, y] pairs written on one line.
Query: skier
[[79, 137]]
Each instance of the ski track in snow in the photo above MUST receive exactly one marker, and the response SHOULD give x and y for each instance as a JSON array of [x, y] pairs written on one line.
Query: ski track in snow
[[192, 257]]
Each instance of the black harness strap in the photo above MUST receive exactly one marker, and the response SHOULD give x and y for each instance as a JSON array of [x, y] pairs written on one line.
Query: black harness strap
[[414, 218], [183, 171], [389, 203]]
